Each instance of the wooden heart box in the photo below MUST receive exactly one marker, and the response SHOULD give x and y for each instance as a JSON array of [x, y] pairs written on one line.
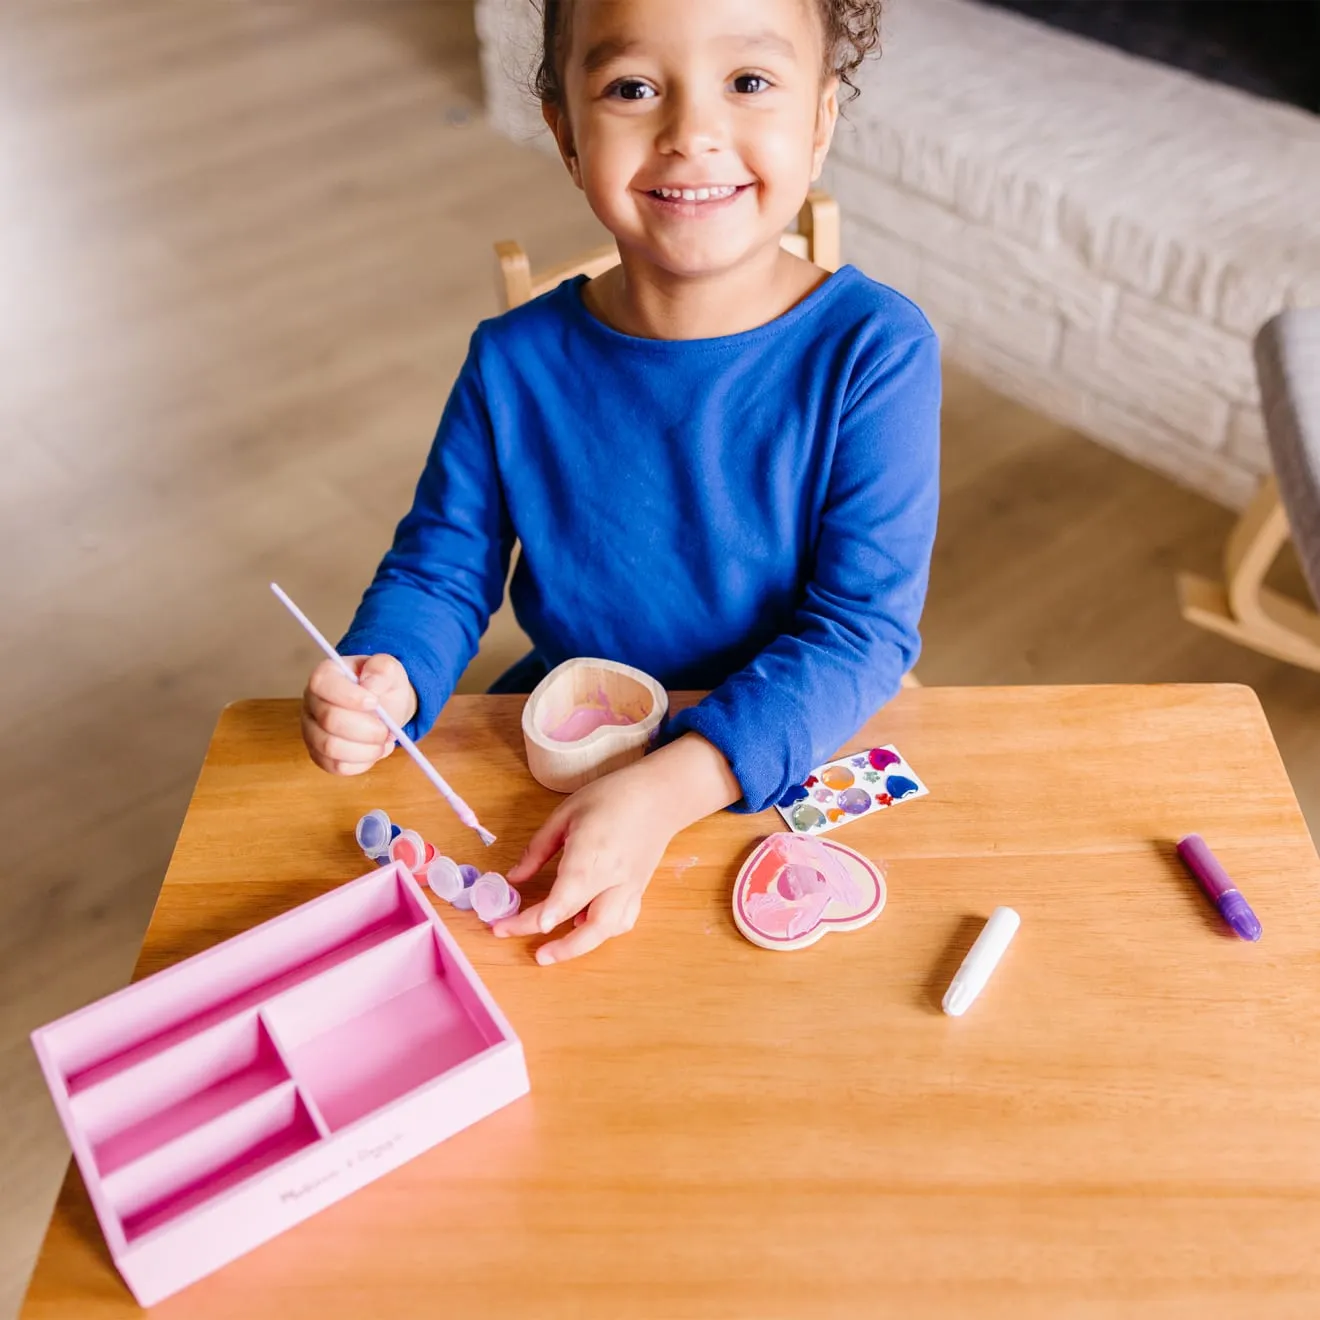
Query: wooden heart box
[[588, 718]]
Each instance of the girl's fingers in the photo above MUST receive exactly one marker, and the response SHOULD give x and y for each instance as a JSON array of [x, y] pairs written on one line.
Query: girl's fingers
[[343, 734], [571, 892], [333, 688], [341, 749], [383, 675], [568, 896], [388, 679], [340, 722], [339, 755], [543, 845], [339, 767], [574, 886], [610, 914], [526, 922]]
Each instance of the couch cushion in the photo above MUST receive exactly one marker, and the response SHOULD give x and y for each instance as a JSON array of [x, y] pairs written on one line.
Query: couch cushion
[[1288, 361]]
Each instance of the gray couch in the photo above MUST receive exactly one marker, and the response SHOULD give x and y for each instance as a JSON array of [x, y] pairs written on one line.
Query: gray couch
[[1287, 506], [1288, 363]]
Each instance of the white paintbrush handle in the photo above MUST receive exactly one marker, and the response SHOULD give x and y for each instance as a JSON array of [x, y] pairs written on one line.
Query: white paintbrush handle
[[461, 808]]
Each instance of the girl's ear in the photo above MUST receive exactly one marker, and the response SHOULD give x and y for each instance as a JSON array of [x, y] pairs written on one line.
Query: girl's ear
[[827, 118], [557, 122]]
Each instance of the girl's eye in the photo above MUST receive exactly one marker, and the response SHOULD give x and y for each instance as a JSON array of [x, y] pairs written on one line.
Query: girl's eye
[[631, 89], [748, 84]]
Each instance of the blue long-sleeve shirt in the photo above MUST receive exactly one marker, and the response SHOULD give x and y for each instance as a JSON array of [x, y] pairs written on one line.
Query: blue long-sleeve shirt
[[753, 514]]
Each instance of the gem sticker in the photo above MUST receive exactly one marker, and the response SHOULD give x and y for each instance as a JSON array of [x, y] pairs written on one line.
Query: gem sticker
[[850, 788], [805, 819]]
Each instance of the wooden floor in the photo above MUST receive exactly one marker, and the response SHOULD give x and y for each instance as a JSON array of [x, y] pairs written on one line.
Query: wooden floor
[[242, 247]]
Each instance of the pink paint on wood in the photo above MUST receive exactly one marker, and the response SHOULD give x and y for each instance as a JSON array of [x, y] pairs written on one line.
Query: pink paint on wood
[[793, 889], [585, 720]]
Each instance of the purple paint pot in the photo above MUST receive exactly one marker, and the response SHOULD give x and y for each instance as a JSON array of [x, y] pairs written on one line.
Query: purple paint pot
[[464, 901], [493, 897], [373, 834]]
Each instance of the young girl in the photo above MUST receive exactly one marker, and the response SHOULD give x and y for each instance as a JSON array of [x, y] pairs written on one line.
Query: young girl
[[721, 463]]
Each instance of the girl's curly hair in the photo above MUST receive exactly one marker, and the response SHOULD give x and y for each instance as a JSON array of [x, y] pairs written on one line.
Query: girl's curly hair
[[852, 32]]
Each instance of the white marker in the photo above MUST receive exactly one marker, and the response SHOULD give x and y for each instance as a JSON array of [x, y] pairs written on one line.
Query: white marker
[[982, 959]]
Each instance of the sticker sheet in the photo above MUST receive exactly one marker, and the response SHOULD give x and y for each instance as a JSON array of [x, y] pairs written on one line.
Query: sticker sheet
[[848, 789]]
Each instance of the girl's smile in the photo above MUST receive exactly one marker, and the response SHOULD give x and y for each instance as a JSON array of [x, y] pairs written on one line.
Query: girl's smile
[[696, 201]]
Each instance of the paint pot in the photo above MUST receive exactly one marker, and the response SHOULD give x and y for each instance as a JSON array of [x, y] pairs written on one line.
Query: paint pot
[[373, 834], [409, 849], [494, 897], [469, 873], [445, 879]]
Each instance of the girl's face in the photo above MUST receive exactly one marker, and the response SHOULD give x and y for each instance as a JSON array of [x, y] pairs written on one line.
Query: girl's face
[[695, 127]]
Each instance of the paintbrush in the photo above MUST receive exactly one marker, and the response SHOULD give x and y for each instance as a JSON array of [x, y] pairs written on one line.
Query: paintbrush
[[461, 808]]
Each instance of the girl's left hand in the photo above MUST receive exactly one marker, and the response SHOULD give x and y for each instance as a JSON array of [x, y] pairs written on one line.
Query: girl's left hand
[[614, 833]]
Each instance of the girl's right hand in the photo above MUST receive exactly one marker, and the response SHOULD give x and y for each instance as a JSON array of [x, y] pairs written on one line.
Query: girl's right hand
[[339, 724]]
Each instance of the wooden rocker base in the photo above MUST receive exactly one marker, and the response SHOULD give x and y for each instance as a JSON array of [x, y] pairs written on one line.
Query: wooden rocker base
[[1205, 604], [1242, 608]]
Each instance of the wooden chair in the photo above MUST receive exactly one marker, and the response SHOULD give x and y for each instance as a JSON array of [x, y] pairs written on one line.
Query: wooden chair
[[816, 239], [1242, 608]]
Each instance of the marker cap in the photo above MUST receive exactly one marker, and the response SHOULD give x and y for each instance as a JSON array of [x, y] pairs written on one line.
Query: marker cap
[[982, 959]]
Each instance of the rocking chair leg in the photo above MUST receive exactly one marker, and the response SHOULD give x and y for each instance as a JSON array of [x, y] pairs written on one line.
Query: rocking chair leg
[[1242, 608]]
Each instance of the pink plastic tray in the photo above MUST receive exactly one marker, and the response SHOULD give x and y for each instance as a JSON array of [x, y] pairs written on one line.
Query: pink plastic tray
[[225, 1099]]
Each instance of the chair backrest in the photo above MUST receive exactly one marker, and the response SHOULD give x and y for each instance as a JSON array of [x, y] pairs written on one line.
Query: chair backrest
[[816, 239]]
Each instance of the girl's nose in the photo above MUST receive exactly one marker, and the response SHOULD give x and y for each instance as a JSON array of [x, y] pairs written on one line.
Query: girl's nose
[[693, 127]]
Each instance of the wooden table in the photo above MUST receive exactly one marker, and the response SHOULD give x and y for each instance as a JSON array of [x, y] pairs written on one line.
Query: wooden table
[[1127, 1123]]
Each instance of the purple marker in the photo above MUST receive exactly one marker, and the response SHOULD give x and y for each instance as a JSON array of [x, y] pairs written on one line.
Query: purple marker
[[1225, 895]]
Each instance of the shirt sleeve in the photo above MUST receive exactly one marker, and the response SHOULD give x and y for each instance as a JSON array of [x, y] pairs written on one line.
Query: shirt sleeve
[[855, 633], [436, 588]]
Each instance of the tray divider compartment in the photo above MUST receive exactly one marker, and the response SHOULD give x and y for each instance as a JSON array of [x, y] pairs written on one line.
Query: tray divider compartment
[[188, 1172], [158, 1100], [469, 991], [136, 1023], [378, 1028], [313, 1109]]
